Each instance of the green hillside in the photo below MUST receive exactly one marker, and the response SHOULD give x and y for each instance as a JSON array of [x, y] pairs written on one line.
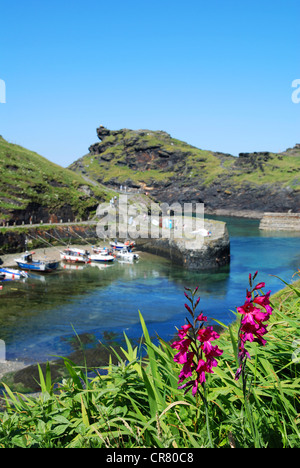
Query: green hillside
[[32, 186], [145, 156], [171, 170]]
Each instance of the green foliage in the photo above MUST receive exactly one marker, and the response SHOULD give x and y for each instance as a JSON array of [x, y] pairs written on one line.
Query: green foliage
[[137, 403], [28, 177]]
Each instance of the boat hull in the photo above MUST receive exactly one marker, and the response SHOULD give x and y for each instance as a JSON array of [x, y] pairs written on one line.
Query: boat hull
[[38, 266], [102, 258], [75, 256], [7, 274], [74, 259]]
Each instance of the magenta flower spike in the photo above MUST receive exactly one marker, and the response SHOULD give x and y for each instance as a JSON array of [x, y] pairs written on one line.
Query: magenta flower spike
[[252, 327], [196, 352]]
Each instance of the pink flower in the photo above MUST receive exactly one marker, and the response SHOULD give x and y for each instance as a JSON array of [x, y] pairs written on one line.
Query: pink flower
[[182, 346], [201, 318], [196, 352], [184, 329], [252, 327], [187, 368], [207, 334], [264, 301]]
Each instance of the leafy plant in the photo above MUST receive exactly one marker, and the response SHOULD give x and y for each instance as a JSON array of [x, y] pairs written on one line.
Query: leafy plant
[[137, 403]]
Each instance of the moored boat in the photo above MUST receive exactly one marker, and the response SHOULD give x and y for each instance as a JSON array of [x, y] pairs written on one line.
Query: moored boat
[[74, 255], [125, 254], [116, 245], [26, 262], [8, 274], [102, 256]]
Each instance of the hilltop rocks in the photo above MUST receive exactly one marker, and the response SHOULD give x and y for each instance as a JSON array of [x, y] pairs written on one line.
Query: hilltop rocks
[[170, 170]]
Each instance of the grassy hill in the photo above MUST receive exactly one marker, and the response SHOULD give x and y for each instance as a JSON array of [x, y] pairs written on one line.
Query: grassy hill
[[33, 187], [173, 170], [144, 156]]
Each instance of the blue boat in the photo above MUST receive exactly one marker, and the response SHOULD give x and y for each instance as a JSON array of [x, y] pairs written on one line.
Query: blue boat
[[26, 262]]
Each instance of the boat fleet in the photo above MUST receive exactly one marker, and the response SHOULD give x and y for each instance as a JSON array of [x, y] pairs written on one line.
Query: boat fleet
[[122, 252]]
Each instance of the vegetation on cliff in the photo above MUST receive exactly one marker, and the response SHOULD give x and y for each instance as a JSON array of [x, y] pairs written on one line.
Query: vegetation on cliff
[[174, 170], [33, 187]]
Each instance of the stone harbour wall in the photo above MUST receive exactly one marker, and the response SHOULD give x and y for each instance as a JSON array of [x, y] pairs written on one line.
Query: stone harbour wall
[[211, 253], [280, 222]]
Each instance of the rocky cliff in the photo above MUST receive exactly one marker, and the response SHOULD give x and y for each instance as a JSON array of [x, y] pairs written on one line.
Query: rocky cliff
[[171, 170]]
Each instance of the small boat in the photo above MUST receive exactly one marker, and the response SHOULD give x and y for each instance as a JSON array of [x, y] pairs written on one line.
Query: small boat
[[7, 274], [125, 254], [102, 256], [75, 255], [120, 245], [26, 262], [101, 249]]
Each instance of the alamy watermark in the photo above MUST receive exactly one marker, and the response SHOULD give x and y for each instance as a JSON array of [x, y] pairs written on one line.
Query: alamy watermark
[[296, 353], [2, 352], [296, 93], [2, 92], [132, 220]]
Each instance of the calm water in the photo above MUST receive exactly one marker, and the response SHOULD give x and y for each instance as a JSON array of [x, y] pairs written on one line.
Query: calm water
[[37, 316]]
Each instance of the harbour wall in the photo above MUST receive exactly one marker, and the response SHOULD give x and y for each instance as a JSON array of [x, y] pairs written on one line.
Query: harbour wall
[[280, 222], [209, 253]]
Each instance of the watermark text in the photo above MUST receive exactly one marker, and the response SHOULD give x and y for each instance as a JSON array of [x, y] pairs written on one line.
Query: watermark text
[[2, 92], [121, 218], [296, 93]]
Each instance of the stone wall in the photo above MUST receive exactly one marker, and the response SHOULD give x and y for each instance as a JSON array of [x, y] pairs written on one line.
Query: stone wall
[[280, 222], [210, 253]]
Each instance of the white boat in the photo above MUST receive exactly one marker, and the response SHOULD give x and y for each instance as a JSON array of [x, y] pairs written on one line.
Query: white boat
[[120, 245], [98, 250], [74, 255], [8, 274], [103, 257], [125, 254]]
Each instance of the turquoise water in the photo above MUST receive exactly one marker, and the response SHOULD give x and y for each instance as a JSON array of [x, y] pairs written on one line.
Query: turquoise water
[[39, 315]]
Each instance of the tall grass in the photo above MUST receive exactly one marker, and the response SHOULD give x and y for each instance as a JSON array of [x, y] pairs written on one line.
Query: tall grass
[[137, 403]]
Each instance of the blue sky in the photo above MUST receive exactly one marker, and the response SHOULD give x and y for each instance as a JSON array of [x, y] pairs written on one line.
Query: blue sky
[[216, 73]]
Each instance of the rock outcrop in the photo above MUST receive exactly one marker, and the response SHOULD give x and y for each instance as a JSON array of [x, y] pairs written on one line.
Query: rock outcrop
[[173, 171]]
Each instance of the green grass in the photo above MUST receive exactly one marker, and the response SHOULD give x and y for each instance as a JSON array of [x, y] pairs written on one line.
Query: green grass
[[27, 177], [278, 169], [137, 402]]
